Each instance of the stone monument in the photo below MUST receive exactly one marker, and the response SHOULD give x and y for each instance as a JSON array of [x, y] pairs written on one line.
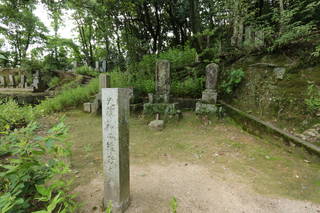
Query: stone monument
[[12, 81], [207, 105], [115, 116], [159, 103], [95, 106], [2, 81], [36, 81], [23, 81], [97, 66], [104, 66]]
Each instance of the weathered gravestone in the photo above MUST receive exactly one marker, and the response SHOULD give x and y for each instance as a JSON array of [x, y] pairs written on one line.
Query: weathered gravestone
[[74, 65], [23, 81], [2, 81], [12, 81], [97, 66], [95, 106], [104, 66], [163, 81], [36, 81], [159, 103], [115, 116], [259, 39], [207, 105], [249, 37]]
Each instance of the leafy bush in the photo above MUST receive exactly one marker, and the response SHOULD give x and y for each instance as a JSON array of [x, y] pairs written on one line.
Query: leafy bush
[[119, 79], [14, 116], [179, 58], [313, 102], [141, 83], [191, 87], [29, 171], [68, 98], [232, 80], [294, 34], [86, 70], [54, 82]]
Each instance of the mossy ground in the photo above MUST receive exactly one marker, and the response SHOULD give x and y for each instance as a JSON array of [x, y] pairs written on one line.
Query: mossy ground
[[268, 166]]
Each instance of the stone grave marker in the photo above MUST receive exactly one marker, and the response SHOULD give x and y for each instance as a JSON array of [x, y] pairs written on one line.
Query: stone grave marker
[[104, 66], [163, 80], [36, 82], [209, 95], [2, 81], [23, 81], [97, 66], [115, 116], [159, 103], [12, 81], [207, 105]]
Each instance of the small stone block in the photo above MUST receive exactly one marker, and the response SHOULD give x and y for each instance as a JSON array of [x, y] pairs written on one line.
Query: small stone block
[[157, 124], [87, 107]]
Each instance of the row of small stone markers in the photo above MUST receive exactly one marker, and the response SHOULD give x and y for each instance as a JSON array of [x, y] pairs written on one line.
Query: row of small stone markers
[[9, 83]]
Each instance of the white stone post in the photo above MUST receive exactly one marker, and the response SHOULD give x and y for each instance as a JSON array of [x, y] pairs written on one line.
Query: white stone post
[[115, 115]]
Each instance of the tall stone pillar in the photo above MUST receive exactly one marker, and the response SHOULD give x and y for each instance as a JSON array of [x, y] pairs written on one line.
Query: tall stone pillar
[[163, 81], [209, 95], [115, 116]]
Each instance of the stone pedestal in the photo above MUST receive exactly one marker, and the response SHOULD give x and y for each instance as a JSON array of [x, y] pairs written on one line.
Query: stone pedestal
[[115, 116], [87, 107], [206, 109], [209, 96]]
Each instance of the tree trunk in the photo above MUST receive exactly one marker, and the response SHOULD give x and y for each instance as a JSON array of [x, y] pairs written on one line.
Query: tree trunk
[[281, 7]]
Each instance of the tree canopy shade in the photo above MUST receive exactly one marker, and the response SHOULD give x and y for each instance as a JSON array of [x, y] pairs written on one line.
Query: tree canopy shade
[[124, 31]]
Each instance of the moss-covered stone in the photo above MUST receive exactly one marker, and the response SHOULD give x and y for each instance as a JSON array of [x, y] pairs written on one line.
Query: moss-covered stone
[[206, 109]]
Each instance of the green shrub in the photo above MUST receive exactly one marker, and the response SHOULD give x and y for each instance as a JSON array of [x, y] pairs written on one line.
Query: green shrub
[[13, 116], [68, 98], [179, 58], [191, 87], [232, 80], [54, 82], [86, 70], [31, 171], [119, 79], [313, 102]]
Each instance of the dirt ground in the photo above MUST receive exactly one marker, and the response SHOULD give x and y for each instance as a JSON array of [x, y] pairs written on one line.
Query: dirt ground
[[216, 168]]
